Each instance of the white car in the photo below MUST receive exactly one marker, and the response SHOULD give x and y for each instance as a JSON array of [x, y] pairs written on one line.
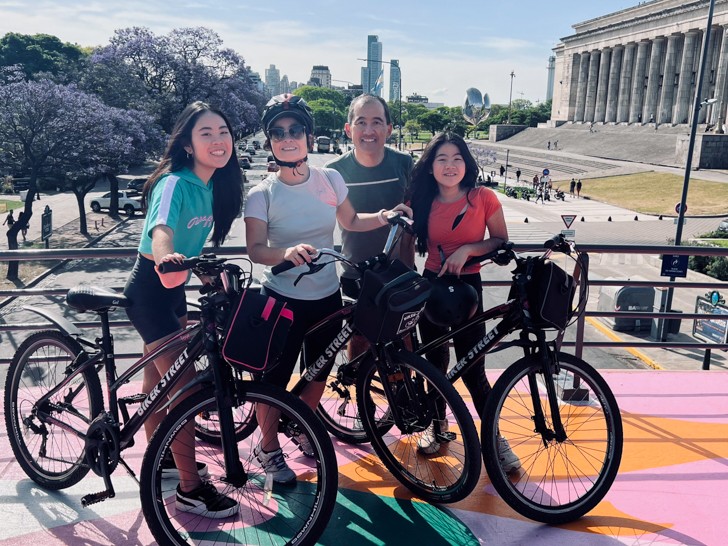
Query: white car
[[129, 202]]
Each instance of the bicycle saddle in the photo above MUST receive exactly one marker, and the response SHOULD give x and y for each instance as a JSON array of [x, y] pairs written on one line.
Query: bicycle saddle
[[94, 298]]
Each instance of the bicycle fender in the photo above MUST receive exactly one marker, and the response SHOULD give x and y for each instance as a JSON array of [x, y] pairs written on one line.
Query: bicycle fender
[[205, 377], [62, 323]]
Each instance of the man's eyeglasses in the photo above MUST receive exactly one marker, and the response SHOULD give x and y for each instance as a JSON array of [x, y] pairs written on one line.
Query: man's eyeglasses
[[277, 134]]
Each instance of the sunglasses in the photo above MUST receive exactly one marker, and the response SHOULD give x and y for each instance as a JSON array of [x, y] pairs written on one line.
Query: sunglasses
[[294, 131]]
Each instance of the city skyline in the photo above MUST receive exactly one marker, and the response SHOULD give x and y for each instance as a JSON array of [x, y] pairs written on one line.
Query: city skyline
[[439, 56]]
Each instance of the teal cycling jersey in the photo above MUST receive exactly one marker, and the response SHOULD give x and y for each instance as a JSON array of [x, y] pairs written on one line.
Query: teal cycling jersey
[[182, 202]]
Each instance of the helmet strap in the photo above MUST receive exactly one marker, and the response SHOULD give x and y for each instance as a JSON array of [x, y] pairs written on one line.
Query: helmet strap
[[290, 164]]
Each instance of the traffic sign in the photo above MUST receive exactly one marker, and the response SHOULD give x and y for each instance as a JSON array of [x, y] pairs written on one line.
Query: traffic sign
[[568, 233], [46, 224], [677, 208], [568, 219], [546, 172]]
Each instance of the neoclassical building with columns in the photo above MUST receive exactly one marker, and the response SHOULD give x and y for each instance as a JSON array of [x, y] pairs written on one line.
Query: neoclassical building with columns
[[642, 63]]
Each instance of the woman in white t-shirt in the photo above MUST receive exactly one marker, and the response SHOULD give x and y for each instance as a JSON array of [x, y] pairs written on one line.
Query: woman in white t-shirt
[[289, 214]]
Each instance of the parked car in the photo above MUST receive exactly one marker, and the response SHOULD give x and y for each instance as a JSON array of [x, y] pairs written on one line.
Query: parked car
[[129, 202], [250, 150], [244, 162], [137, 184], [723, 226], [273, 167]]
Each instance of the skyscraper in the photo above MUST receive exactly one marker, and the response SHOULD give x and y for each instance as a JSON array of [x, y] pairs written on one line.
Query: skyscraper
[[550, 84], [273, 80], [394, 80], [285, 87], [370, 74], [323, 75]]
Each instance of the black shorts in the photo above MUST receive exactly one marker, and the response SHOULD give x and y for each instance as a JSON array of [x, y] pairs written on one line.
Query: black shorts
[[155, 310]]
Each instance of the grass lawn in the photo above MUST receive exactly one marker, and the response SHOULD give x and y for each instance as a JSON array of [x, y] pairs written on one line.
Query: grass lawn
[[6, 205], [718, 242], [657, 193]]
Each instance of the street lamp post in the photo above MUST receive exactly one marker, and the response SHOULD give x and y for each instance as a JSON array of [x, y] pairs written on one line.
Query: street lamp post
[[399, 85], [513, 75], [697, 105]]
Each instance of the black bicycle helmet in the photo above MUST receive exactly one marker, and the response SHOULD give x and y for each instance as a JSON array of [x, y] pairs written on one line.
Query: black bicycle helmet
[[451, 302], [287, 105]]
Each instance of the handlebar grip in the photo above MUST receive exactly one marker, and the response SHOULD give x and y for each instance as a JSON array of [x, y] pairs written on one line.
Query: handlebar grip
[[280, 268], [505, 247], [555, 241], [171, 267]]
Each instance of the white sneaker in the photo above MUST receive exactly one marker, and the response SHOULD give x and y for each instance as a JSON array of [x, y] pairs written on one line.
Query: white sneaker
[[303, 443], [509, 461], [275, 464], [430, 442]]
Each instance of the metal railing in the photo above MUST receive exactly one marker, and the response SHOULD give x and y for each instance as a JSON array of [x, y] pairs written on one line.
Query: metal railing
[[578, 344]]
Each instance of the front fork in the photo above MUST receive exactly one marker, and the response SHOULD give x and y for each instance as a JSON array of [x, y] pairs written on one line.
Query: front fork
[[549, 368]]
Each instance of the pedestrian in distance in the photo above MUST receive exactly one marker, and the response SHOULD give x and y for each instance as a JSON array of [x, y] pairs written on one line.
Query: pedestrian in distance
[[591, 126], [451, 217], [652, 118], [548, 146], [572, 185], [539, 193], [535, 181], [24, 230], [196, 189], [578, 188], [287, 216], [556, 144], [376, 177], [518, 176], [9, 219], [502, 170]]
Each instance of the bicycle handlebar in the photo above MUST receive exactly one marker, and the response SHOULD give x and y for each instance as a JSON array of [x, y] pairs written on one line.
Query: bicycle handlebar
[[281, 267], [184, 265]]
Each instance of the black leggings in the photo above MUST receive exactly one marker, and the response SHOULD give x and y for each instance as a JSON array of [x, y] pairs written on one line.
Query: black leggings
[[306, 313], [474, 379]]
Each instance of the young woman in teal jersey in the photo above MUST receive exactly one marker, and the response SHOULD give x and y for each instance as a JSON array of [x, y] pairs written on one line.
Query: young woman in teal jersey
[[196, 189]]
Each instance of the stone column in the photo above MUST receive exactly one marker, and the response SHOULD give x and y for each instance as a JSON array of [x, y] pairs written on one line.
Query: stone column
[[686, 74], [705, 90], [638, 85], [668, 81], [591, 88], [603, 86], [625, 84], [653, 82], [613, 91], [581, 86], [721, 81]]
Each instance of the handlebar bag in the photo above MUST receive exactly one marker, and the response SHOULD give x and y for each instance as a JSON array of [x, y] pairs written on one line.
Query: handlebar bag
[[256, 331], [391, 300], [550, 294]]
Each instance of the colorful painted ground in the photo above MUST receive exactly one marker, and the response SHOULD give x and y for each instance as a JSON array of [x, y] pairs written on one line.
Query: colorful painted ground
[[672, 488]]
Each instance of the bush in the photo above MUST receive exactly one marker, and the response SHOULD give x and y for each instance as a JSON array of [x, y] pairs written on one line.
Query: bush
[[6, 186], [718, 268], [714, 235]]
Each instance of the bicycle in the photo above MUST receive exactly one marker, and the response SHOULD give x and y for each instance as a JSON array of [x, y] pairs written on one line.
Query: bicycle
[[400, 391], [59, 428], [542, 403]]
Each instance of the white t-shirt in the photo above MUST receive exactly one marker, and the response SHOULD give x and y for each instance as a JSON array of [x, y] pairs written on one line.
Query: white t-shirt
[[295, 214]]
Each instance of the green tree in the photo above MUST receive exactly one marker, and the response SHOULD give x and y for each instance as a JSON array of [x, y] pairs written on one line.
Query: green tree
[[413, 111], [310, 93], [433, 121], [327, 116], [412, 128], [40, 53]]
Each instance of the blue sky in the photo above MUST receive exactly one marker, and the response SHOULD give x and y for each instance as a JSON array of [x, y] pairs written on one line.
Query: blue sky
[[443, 47]]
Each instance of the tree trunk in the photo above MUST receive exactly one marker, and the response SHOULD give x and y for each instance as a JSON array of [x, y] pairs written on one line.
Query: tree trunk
[[23, 219], [114, 188], [81, 211]]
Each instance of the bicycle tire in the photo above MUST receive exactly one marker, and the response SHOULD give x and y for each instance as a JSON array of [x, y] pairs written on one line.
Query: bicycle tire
[[339, 410], [551, 496], [446, 476], [37, 366], [299, 512]]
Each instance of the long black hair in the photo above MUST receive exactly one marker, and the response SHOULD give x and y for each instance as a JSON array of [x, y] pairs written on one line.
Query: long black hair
[[227, 187], [423, 187]]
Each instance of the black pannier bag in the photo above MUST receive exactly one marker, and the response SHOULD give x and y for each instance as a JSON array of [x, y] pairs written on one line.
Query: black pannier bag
[[256, 331], [391, 300], [550, 294]]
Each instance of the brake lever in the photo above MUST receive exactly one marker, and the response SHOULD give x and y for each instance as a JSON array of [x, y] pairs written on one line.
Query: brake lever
[[312, 268]]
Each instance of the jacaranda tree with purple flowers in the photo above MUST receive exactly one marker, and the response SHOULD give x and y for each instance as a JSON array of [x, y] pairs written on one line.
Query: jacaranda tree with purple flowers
[[57, 131]]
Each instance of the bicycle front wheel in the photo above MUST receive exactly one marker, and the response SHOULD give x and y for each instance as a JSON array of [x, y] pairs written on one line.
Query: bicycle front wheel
[[272, 514], [52, 456], [435, 454], [558, 482]]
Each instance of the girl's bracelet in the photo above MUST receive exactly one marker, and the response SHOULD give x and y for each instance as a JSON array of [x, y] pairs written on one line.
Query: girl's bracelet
[[382, 219]]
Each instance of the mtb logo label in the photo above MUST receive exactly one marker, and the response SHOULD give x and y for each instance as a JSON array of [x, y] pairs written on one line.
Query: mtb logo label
[[473, 352], [408, 321], [331, 350], [163, 383]]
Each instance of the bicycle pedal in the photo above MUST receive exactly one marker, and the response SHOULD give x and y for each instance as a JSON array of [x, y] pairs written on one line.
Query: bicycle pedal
[[445, 437], [94, 498], [133, 399]]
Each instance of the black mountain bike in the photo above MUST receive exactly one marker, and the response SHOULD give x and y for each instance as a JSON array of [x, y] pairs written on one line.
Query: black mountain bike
[[59, 428], [403, 394]]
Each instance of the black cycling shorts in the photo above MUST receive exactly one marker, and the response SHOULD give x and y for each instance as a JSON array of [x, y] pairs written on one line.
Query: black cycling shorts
[[155, 310]]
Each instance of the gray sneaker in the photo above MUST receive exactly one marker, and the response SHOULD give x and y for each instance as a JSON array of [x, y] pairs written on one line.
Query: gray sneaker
[[430, 443], [303, 443], [509, 461], [275, 464]]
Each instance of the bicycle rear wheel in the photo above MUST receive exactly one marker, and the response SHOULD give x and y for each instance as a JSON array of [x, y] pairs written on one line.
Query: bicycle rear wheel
[[51, 456], [558, 482], [294, 514], [423, 395]]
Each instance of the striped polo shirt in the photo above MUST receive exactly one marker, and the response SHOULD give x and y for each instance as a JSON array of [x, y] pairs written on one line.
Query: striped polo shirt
[[182, 202]]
